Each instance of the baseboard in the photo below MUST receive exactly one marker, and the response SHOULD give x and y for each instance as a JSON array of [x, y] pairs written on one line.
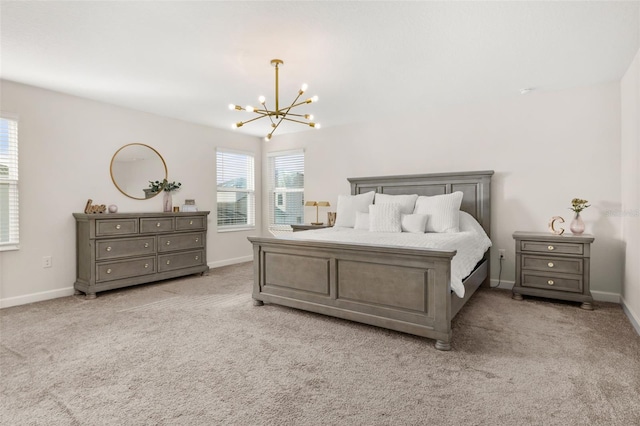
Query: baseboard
[[634, 318], [36, 297], [228, 262], [601, 296]]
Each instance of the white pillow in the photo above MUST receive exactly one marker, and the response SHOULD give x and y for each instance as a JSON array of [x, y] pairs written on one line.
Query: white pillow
[[348, 205], [384, 218], [414, 223], [469, 224], [442, 211], [407, 202], [362, 221]]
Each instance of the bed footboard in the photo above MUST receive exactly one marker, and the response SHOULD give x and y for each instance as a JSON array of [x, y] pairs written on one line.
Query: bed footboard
[[402, 289]]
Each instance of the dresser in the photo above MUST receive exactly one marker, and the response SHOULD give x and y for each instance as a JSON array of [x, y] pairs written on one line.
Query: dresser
[[124, 249], [553, 266]]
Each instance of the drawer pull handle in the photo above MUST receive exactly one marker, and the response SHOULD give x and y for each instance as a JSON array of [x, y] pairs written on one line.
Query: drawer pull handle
[[197, 239], [109, 271], [550, 264], [197, 257], [108, 248], [146, 245], [146, 265], [551, 248], [550, 282], [168, 242], [190, 222], [168, 262], [158, 225], [117, 226]]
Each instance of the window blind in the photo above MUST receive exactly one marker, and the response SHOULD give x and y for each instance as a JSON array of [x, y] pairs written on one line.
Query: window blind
[[9, 235], [285, 186], [235, 189]]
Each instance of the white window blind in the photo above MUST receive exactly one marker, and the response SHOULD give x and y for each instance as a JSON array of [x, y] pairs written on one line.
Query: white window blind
[[236, 190], [285, 187], [8, 184]]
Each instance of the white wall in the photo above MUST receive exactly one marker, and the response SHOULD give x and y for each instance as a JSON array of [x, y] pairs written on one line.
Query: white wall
[[630, 184], [65, 148], [546, 149]]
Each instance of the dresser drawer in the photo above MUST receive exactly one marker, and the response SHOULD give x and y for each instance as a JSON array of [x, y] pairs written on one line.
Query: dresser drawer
[[124, 247], [550, 247], [190, 222], [108, 271], [180, 242], [552, 264], [552, 282], [169, 262], [156, 224], [108, 227]]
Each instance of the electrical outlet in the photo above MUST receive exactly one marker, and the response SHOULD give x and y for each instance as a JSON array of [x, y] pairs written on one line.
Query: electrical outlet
[[502, 253], [47, 262]]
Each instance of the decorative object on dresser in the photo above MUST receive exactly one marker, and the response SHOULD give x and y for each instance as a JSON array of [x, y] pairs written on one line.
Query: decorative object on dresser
[[306, 227], [577, 225], [89, 208], [317, 205], [113, 208], [189, 206], [167, 188], [552, 225], [553, 266], [125, 249]]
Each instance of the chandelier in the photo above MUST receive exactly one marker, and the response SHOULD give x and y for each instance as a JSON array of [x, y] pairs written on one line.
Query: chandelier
[[278, 115]]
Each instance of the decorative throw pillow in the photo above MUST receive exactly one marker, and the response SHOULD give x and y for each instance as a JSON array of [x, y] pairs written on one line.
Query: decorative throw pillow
[[442, 211], [348, 205], [414, 223], [384, 218], [407, 202], [362, 221]]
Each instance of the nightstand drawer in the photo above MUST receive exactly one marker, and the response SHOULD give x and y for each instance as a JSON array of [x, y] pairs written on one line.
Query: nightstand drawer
[[547, 247], [552, 282], [553, 264]]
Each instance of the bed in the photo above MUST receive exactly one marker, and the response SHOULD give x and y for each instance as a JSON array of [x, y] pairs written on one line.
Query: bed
[[406, 289]]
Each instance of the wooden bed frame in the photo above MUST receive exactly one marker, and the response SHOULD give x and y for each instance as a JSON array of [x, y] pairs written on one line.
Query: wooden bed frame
[[402, 289]]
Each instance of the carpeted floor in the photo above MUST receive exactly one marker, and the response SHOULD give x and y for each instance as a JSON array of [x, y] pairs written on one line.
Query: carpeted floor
[[195, 351]]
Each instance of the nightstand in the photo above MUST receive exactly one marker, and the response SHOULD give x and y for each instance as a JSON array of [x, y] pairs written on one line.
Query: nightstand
[[305, 227], [553, 266]]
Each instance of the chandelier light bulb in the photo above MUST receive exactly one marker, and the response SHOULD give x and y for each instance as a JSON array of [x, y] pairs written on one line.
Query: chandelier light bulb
[[232, 106], [267, 138], [249, 108], [314, 99], [261, 99], [308, 116]]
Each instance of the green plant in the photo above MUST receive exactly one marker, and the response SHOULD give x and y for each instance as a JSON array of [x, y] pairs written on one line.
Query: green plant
[[578, 204], [165, 185]]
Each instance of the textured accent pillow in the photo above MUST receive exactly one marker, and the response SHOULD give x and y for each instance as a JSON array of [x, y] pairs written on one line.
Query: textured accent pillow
[[384, 218], [407, 202], [348, 205], [414, 223], [442, 211], [362, 221]]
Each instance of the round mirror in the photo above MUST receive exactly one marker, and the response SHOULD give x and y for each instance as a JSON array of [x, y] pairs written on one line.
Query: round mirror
[[132, 168]]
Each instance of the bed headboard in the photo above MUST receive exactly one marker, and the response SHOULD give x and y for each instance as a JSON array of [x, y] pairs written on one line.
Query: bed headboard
[[476, 187]]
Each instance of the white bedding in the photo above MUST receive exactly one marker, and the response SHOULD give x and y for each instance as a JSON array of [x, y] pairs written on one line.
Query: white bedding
[[471, 244]]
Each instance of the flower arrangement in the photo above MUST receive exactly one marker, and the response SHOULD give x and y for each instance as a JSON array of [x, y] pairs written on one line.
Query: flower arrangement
[[578, 204], [158, 186]]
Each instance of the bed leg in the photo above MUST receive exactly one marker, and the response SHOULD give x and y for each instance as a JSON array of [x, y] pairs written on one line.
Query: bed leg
[[257, 302], [441, 345]]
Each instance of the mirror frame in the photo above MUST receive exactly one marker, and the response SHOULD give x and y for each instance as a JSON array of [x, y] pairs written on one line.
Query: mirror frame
[[164, 164]]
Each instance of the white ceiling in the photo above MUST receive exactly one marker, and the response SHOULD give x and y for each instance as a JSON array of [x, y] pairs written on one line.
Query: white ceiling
[[189, 60]]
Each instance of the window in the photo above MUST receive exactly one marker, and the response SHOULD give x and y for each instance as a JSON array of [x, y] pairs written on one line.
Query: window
[[236, 186], [285, 190], [8, 184]]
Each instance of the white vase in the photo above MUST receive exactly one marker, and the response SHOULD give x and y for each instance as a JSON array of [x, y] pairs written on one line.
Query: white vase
[[577, 225], [167, 202]]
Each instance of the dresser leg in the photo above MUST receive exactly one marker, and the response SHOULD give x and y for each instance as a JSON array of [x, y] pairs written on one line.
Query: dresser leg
[[257, 302], [90, 296], [441, 345], [77, 292], [588, 306], [517, 296]]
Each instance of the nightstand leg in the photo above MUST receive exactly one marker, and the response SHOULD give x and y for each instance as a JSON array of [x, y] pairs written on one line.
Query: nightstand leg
[[517, 296], [588, 306], [257, 302], [442, 345]]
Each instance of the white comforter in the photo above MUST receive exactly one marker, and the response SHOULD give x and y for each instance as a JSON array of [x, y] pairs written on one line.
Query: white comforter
[[470, 245]]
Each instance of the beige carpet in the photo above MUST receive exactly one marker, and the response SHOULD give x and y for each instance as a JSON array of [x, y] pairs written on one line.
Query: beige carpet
[[195, 351]]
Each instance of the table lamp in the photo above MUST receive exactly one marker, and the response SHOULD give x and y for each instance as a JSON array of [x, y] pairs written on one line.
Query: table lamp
[[317, 205]]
